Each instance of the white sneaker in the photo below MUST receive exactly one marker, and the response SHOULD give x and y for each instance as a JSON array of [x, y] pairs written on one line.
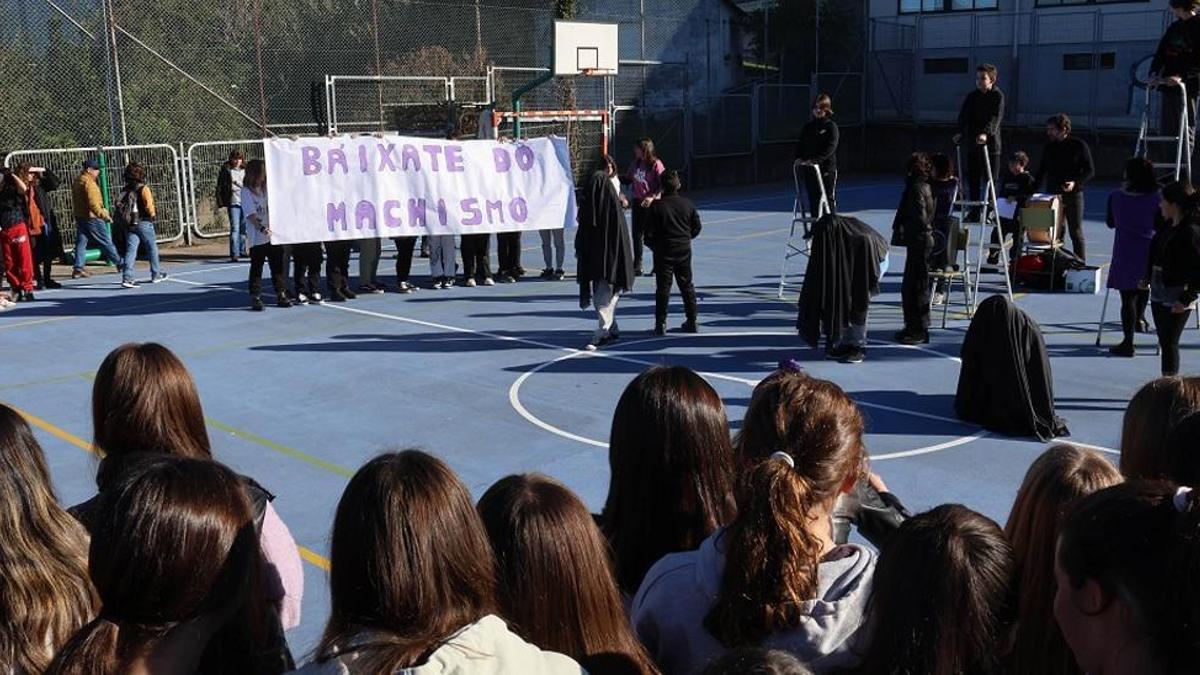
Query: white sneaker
[[939, 298], [315, 297], [470, 283], [302, 298], [157, 278], [129, 283], [489, 282]]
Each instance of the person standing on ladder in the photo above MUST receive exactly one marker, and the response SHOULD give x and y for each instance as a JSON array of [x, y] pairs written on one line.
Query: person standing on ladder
[[1177, 60], [979, 128], [1065, 167], [817, 147]]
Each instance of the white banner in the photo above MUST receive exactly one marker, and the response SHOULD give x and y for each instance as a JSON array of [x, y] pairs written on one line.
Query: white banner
[[328, 189]]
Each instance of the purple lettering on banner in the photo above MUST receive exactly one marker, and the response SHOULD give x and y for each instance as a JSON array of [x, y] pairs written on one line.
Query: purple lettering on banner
[[454, 158], [334, 214], [524, 157], [495, 211], [338, 156], [409, 154], [471, 206], [390, 217], [502, 160], [364, 212], [364, 165], [385, 156], [434, 151], [312, 160], [518, 209], [416, 212], [443, 216]]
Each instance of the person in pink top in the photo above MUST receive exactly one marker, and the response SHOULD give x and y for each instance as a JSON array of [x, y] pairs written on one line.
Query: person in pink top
[[644, 175]]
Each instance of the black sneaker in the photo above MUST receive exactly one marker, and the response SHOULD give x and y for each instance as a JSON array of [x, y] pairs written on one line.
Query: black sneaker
[[905, 337], [284, 302], [690, 327], [559, 275], [256, 304], [547, 273], [854, 355], [50, 283], [336, 296], [660, 329], [1122, 349], [349, 294], [27, 296], [839, 352]]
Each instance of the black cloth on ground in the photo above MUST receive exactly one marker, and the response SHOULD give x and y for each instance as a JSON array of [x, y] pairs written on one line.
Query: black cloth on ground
[[842, 276]]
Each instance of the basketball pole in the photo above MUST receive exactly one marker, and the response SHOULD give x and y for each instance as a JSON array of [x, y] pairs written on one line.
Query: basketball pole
[[530, 86]]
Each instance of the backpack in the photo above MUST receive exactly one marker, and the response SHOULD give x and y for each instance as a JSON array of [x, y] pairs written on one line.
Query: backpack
[[125, 214]]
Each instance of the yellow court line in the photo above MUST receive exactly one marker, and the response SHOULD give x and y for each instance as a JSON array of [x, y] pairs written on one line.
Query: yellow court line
[[309, 555]]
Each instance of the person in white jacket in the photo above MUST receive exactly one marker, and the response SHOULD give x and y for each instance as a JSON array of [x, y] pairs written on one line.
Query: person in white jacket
[[774, 577], [412, 581]]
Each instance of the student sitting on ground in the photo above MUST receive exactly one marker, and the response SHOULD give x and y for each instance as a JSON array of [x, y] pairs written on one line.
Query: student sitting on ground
[[674, 222], [554, 577]]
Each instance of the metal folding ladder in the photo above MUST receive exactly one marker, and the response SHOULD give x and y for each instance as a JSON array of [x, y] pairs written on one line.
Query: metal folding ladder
[[800, 236], [988, 221]]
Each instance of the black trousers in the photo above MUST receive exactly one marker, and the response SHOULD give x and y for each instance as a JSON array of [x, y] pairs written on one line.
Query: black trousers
[[976, 173], [306, 267], [1072, 205], [46, 247], [476, 249], [404, 257], [1170, 328], [1010, 226], [337, 265], [1172, 106], [914, 287], [1133, 308], [273, 256], [813, 190], [508, 253], [679, 270], [641, 223]]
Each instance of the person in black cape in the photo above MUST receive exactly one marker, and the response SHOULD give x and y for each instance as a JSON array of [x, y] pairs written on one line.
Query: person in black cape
[[604, 251], [1005, 383], [843, 275], [913, 229]]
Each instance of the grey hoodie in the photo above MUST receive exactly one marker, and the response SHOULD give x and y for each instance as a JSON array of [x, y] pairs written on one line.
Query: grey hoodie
[[679, 590]]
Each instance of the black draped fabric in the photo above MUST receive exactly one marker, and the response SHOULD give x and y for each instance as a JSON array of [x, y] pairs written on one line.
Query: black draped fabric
[[841, 278], [1005, 383], [603, 246]]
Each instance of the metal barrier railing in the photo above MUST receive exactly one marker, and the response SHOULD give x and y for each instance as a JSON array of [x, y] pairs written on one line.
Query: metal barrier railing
[[203, 163]]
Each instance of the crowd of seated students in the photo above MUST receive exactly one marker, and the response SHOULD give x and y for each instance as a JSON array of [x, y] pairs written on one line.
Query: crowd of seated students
[[712, 555]]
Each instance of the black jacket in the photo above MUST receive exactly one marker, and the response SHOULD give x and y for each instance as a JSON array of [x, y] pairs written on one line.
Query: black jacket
[[224, 187], [1005, 383], [842, 276], [13, 208], [1067, 160], [982, 113], [914, 217], [1178, 53], [1176, 249], [819, 143], [603, 247], [674, 223], [1020, 186]]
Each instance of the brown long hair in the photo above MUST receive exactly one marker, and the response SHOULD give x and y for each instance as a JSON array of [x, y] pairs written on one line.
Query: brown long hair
[[1151, 415], [553, 574], [672, 470], [174, 543], [256, 175], [144, 401], [45, 593], [942, 599], [1055, 481], [772, 557], [409, 561]]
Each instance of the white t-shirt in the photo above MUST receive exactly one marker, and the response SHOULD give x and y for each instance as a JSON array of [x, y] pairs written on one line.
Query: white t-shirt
[[236, 176], [256, 204]]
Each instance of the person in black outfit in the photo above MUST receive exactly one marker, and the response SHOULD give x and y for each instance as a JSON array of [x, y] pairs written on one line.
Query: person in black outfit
[[47, 246], [337, 271], [306, 263], [1177, 60], [913, 227], [1175, 270], [817, 147], [404, 258], [1066, 167], [508, 256], [674, 223], [477, 269], [1017, 186], [979, 122]]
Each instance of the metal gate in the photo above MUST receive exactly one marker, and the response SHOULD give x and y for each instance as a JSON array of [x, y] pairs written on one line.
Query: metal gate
[[203, 162]]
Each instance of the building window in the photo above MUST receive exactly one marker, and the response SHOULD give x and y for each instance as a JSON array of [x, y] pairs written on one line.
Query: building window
[[943, 66], [1104, 61], [931, 6], [1067, 3]]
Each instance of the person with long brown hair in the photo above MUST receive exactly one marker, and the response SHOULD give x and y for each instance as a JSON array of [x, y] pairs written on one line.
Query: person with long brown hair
[[136, 213], [412, 580], [145, 403], [229, 197], [176, 565], [258, 235], [943, 597], [1174, 269], [554, 577], [1055, 481], [645, 173], [1150, 417], [773, 577], [45, 593], [672, 470]]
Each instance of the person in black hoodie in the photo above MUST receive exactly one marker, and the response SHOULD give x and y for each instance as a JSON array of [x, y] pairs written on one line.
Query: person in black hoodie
[[1177, 60], [674, 223], [1066, 166], [979, 122], [1174, 270], [913, 227], [817, 147]]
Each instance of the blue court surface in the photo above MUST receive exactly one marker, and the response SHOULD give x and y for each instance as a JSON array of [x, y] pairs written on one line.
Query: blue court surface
[[494, 379]]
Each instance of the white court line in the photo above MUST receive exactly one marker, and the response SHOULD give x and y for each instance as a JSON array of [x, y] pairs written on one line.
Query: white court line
[[208, 269]]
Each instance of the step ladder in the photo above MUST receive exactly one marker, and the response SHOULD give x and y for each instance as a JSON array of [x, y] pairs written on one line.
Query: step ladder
[[799, 238], [1182, 141], [987, 221]]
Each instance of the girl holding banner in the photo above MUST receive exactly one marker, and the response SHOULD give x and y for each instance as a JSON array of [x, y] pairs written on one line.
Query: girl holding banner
[[254, 203], [604, 251]]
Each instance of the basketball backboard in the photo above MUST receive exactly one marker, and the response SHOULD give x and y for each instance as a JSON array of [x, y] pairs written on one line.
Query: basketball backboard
[[583, 48]]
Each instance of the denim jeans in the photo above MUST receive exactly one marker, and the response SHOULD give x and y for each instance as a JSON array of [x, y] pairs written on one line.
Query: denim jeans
[[237, 230], [94, 230], [134, 238]]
